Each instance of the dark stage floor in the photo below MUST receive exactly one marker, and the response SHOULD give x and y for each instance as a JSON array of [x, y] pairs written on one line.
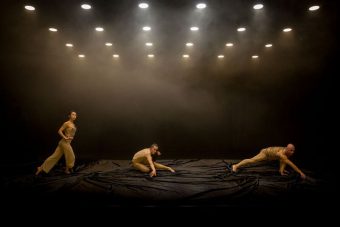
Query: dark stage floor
[[196, 183]]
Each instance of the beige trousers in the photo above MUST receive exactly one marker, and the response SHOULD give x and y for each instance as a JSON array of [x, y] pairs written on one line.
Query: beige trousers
[[64, 148]]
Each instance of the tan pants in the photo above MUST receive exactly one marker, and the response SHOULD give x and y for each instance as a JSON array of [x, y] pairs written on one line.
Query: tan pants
[[64, 148], [259, 157]]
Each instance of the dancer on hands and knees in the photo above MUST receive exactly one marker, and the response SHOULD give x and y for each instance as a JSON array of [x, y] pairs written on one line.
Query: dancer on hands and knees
[[143, 161], [281, 154], [67, 132]]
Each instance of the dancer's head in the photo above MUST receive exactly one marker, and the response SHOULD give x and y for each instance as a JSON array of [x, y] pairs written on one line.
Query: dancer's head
[[72, 115], [290, 149], [154, 149]]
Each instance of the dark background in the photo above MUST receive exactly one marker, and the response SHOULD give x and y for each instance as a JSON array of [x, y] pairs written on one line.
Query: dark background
[[201, 107]]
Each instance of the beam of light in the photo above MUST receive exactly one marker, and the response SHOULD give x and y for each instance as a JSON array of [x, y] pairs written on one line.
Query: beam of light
[[69, 44], [189, 44], [313, 8], [99, 29], [194, 28], [258, 6], [149, 44], [242, 29], [81, 55], [86, 6], [143, 5], [30, 8], [201, 5], [108, 44], [146, 28], [53, 29], [269, 45], [255, 56], [229, 44], [286, 29]]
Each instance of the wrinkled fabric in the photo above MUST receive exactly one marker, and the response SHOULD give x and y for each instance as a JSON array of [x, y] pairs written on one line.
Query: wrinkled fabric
[[195, 182]]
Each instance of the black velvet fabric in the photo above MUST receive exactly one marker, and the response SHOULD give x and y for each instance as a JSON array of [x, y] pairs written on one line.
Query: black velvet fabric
[[196, 183]]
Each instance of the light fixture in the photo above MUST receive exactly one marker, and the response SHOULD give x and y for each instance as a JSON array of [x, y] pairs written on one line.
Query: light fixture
[[53, 29], [286, 29], [151, 55], [115, 56], [194, 28], [229, 44], [143, 5], [108, 44], [86, 6], [69, 44], [269, 45], [149, 44], [30, 8], [313, 8], [99, 29], [242, 29], [220, 56], [201, 5], [185, 56], [146, 28], [81, 55], [255, 56], [258, 6], [189, 44]]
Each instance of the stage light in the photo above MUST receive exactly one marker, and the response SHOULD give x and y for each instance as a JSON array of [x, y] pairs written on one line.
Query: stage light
[[189, 44], [255, 56], [86, 6], [81, 55], [220, 56], [258, 6], [69, 44], [149, 44], [286, 29], [99, 29], [30, 8], [201, 5], [146, 28], [115, 56], [229, 44], [185, 56], [194, 28], [53, 29], [108, 44], [269, 45], [242, 29], [143, 5], [314, 8]]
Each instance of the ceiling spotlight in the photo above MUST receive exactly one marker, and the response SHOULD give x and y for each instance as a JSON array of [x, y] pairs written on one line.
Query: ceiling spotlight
[[146, 28], [99, 29], [115, 56], [189, 44], [30, 8], [220, 56], [242, 29], [313, 8], [86, 6], [143, 5], [53, 29], [269, 45], [185, 56], [287, 30], [69, 44], [201, 5], [258, 6], [81, 55], [108, 44], [255, 56], [229, 44], [194, 28], [149, 44]]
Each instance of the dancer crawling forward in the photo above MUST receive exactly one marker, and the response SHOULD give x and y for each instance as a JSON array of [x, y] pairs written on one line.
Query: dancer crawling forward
[[143, 161], [273, 153]]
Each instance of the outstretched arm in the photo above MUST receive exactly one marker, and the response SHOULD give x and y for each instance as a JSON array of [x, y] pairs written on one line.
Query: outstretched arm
[[282, 168], [160, 166], [291, 164]]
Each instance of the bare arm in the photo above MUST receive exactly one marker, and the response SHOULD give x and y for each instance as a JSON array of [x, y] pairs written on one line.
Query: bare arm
[[149, 158], [60, 131], [282, 168], [291, 164], [160, 166]]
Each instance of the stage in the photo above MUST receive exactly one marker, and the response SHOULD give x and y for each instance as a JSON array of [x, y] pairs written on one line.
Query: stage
[[196, 183]]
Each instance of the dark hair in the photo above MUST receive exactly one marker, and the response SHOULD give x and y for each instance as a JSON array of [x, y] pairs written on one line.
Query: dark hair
[[71, 111], [154, 145]]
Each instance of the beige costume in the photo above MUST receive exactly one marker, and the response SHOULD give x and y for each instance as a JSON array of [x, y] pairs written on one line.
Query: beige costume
[[64, 148], [270, 153]]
